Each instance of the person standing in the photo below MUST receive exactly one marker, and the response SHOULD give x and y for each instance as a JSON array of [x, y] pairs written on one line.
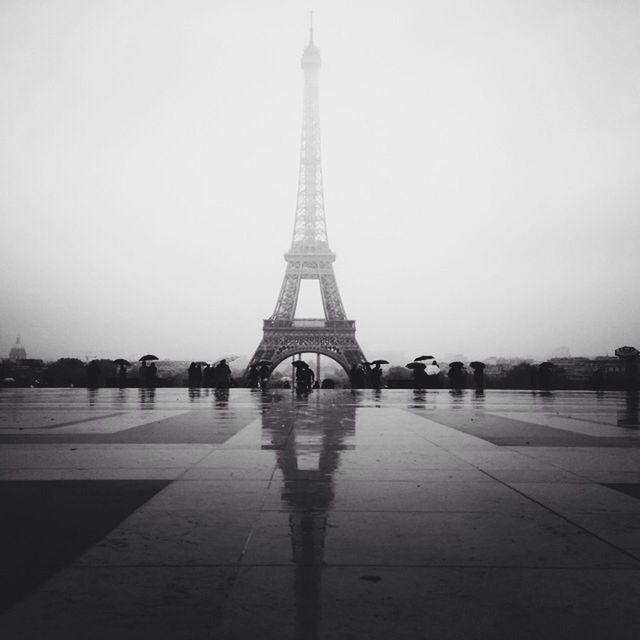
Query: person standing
[[263, 374], [222, 375], [376, 377]]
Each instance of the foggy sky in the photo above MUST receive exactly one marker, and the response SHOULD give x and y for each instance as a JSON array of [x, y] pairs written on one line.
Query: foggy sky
[[481, 171]]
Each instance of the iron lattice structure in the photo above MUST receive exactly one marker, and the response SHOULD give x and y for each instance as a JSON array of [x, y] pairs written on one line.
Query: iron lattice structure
[[309, 257]]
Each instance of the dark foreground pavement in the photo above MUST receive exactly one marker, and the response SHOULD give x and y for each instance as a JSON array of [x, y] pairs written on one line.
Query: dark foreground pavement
[[171, 514]]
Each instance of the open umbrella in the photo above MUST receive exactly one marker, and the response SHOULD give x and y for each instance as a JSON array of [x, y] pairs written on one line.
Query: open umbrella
[[456, 364], [546, 365], [227, 358], [202, 363], [122, 362], [380, 362], [299, 363], [477, 365], [149, 356], [422, 358], [416, 365]]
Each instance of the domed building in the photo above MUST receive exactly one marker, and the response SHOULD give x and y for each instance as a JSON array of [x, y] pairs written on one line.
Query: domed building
[[17, 351]]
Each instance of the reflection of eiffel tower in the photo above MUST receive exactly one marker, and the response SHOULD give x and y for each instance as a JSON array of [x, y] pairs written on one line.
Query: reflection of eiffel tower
[[308, 442], [309, 257]]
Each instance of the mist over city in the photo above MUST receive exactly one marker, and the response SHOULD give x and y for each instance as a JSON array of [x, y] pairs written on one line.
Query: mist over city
[[480, 174]]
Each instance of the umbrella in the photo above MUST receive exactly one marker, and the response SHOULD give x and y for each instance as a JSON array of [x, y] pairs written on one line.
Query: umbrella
[[299, 363], [626, 352], [380, 362], [422, 358], [416, 365], [122, 362], [262, 363], [546, 365], [227, 358], [202, 363], [477, 365], [149, 356], [456, 364]]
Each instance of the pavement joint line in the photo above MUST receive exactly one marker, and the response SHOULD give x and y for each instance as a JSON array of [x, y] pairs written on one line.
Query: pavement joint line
[[630, 555], [216, 613], [634, 557], [66, 424]]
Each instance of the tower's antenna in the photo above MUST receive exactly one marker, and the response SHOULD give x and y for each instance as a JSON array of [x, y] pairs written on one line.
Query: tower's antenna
[[310, 27]]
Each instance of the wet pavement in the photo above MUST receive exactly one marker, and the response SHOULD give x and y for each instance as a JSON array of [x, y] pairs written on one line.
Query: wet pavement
[[397, 514]]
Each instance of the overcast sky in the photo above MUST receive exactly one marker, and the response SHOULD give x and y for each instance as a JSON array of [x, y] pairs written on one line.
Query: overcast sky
[[481, 170]]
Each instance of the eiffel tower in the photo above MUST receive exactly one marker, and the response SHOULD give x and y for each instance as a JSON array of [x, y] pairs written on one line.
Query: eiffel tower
[[309, 257]]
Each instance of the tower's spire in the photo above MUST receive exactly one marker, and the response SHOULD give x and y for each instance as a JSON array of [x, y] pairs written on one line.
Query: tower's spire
[[310, 27]]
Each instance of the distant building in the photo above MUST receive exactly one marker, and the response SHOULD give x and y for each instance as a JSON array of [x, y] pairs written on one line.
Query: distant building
[[581, 369], [17, 351]]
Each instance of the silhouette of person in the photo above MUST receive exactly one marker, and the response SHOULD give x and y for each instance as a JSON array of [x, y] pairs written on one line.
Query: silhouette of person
[[152, 375], [222, 375], [191, 375], [207, 376], [328, 383], [263, 375], [420, 378], [366, 369], [533, 376], [457, 375], [478, 375], [597, 379], [544, 378], [254, 376], [376, 377], [310, 376], [357, 377], [304, 379], [143, 373], [122, 376]]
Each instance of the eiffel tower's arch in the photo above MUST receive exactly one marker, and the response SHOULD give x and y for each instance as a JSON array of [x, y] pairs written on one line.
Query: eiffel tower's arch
[[337, 358]]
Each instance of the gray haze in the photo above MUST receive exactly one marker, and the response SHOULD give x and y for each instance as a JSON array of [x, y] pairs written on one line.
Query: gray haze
[[481, 170]]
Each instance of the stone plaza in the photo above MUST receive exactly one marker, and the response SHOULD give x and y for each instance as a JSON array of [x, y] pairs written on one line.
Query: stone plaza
[[187, 514]]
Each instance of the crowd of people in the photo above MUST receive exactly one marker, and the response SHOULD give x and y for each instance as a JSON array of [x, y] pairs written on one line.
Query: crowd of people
[[203, 374], [426, 374]]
